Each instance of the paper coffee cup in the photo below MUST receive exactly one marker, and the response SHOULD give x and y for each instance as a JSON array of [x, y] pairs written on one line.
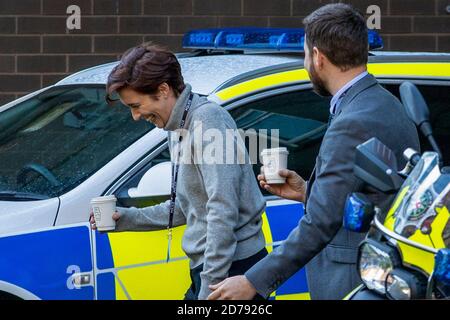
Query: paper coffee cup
[[274, 160], [103, 209]]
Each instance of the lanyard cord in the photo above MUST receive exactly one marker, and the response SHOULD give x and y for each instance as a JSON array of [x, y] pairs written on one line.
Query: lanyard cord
[[175, 168]]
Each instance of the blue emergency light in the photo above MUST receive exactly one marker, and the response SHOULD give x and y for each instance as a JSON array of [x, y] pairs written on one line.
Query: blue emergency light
[[259, 39], [442, 266], [358, 213]]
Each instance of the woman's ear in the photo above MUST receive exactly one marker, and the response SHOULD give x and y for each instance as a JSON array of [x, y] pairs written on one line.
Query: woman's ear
[[164, 90]]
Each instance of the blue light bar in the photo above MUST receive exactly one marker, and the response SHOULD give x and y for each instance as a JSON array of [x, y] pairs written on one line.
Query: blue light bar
[[247, 39]]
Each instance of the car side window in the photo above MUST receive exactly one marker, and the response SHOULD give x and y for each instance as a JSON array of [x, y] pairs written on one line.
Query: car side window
[[437, 98], [301, 118]]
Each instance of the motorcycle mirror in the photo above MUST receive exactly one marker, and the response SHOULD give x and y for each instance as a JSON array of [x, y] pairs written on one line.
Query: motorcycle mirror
[[415, 105], [376, 165], [418, 112]]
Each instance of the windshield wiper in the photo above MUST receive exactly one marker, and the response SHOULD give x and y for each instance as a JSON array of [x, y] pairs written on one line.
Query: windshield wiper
[[21, 196]]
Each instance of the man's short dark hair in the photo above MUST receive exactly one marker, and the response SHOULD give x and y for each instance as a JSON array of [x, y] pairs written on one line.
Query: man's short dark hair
[[340, 32]]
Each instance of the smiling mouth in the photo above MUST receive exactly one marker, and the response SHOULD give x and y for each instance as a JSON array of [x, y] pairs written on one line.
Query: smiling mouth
[[151, 118]]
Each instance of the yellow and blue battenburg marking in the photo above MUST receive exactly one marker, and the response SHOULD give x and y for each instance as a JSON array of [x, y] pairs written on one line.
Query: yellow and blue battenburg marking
[[132, 265], [106, 289], [282, 219], [41, 263]]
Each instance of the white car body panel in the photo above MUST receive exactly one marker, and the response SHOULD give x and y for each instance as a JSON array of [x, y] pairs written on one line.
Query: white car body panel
[[17, 216]]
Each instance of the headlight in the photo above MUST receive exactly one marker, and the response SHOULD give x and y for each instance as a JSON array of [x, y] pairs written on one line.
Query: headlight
[[376, 261], [405, 285], [397, 288]]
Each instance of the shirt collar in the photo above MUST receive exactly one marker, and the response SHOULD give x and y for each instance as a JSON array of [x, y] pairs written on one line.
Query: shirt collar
[[335, 101]]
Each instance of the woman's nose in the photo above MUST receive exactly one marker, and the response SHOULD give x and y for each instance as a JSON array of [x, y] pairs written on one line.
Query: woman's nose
[[135, 114]]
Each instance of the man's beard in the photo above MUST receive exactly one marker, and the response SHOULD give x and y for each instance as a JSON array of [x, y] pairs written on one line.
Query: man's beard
[[317, 82]]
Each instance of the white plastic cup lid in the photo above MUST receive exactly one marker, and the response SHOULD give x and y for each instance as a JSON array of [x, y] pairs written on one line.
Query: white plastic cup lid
[[274, 150], [103, 199]]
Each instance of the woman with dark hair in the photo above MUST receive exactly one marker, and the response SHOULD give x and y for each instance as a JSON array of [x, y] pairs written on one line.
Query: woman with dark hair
[[219, 202]]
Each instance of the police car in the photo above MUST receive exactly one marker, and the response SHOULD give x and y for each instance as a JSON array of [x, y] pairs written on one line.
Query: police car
[[63, 145]]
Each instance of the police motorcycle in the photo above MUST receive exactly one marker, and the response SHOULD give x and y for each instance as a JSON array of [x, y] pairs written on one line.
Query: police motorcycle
[[406, 253]]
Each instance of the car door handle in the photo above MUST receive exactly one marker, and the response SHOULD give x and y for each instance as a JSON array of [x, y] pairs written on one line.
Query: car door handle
[[81, 279]]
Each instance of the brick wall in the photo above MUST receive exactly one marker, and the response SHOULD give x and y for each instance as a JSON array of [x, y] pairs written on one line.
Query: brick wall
[[37, 49]]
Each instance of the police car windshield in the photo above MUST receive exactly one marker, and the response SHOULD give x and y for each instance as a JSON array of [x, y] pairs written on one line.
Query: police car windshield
[[54, 141]]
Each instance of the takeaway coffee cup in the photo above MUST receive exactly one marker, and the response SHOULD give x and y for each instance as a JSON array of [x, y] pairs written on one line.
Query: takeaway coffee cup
[[274, 160], [103, 209]]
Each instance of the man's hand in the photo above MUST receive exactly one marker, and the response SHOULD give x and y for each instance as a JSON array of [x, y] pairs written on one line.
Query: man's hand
[[234, 288], [293, 189], [116, 216]]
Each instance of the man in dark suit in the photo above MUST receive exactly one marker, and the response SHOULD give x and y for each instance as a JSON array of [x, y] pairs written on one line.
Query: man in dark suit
[[336, 54]]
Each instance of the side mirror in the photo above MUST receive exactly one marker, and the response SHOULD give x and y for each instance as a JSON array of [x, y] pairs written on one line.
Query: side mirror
[[376, 165], [155, 182], [153, 188]]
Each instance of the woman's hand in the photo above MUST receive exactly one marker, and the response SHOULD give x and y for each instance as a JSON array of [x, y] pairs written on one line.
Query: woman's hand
[[293, 189], [116, 217]]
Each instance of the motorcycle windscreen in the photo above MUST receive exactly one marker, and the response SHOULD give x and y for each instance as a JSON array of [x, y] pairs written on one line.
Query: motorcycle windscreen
[[422, 205]]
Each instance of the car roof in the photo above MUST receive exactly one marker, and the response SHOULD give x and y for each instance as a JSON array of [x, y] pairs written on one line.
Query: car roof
[[204, 73], [209, 73]]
